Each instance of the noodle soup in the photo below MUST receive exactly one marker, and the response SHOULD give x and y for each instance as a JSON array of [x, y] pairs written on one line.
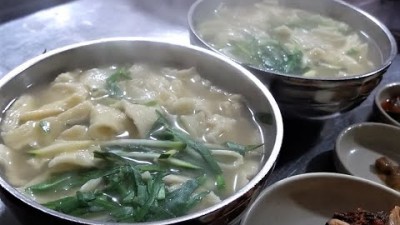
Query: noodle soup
[[269, 36], [129, 144]]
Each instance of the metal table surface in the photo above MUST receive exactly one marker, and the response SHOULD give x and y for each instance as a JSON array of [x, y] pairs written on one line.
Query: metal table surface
[[307, 146]]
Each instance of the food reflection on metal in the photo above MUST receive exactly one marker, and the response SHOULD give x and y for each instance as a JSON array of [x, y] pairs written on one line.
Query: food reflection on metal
[[389, 172]]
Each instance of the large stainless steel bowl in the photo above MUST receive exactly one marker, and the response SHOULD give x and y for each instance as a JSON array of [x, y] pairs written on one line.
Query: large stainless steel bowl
[[314, 97], [220, 71]]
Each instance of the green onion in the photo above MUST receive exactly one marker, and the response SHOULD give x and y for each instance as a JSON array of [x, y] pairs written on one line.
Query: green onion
[[146, 143], [162, 125], [44, 126], [112, 82], [241, 149], [127, 197]]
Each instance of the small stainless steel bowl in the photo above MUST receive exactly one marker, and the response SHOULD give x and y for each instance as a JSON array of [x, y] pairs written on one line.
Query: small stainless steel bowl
[[314, 97], [217, 69], [386, 92]]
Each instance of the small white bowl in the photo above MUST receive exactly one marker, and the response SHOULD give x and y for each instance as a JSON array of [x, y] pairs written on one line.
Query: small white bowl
[[358, 147], [312, 199], [386, 92]]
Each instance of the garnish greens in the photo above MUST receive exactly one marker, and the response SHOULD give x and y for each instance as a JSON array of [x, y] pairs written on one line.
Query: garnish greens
[[270, 55], [162, 128], [44, 126], [112, 87], [352, 52], [128, 197], [130, 185]]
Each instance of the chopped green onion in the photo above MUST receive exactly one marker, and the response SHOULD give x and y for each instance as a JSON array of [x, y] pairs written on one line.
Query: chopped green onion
[[44, 126]]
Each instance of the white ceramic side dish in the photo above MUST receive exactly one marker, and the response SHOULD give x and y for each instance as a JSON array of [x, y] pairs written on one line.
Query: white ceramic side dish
[[386, 92], [359, 145], [312, 199]]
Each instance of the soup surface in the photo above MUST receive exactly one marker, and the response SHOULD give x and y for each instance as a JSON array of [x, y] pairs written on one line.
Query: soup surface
[[269, 36], [129, 144]]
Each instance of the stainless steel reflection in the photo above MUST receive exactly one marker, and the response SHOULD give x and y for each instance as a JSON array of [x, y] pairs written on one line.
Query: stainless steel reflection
[[314, 97], [220, 71]]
